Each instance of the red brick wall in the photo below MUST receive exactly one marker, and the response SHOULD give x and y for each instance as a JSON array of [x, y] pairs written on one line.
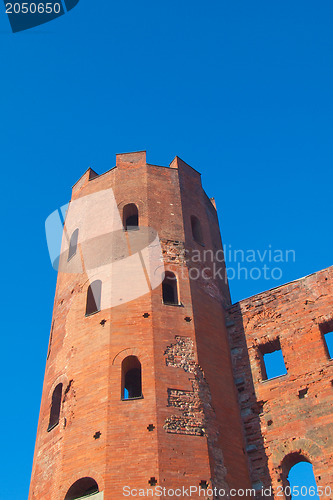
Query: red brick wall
[[278, 424]]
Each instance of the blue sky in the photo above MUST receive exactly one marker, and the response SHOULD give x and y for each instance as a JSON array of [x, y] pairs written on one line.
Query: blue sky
[[240, 90]]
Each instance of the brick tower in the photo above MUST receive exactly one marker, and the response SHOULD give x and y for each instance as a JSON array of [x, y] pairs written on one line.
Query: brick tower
[[138, 390]]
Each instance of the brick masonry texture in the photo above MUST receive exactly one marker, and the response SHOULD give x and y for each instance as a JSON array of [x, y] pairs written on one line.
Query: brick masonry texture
[[191, 418], [279, 426], [206, 415], [197, 416]]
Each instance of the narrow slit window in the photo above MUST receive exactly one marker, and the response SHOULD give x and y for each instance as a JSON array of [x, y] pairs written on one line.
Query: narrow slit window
[[272, 360], [196, 230], [55, 407], [94, 297], [50, 341], [73, 244], [131, 378], [131, 217], [170, 289]]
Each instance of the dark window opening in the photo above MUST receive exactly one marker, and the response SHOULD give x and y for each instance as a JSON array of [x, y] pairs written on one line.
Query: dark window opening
[[327, 333], [133, 384], [203, 484], [94, 297], [82, 488], [272, 362], [131, 217], [131, 378], [152, 481], [73, 244], [196, 230], [170, 289], [55, 407]]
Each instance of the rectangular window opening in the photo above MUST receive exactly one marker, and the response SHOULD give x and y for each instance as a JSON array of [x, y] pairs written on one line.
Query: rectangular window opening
[[327, 333], [272, 360], [329, 343]]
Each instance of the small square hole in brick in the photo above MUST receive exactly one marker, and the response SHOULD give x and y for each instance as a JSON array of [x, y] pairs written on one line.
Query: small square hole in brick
[[97, 435], [152, 481], [146, 315], [151, 427], [203, 484], [102, 322], [259, 407], [302, 393], [269, 422], [187, 319]]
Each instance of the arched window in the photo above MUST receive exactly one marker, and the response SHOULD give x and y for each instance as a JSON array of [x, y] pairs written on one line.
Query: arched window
[[84, 487], [298, 472], [94, 297], [131, 378], [55, 407], [196, 229], [130, 217], [170, 289], [73, 244]]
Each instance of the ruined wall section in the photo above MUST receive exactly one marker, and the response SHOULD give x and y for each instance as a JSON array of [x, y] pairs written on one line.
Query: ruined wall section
[[196, 415], [288, 416]]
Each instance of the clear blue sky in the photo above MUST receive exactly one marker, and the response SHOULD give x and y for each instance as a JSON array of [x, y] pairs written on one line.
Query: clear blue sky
[[241, 90]]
